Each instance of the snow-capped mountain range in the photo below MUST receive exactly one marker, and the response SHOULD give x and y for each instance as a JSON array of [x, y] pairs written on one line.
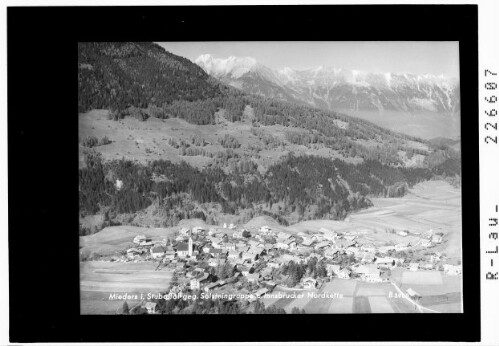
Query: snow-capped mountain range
[[337, 88]]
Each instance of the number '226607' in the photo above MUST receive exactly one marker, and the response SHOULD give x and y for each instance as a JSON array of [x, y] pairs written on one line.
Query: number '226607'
[[491, 112]]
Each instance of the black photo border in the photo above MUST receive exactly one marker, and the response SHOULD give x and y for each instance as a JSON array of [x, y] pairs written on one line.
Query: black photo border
[[43, 164]]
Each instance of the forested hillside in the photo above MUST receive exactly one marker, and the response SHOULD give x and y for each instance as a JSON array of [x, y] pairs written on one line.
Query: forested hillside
[[123, 74], [143, 81], [297, 188]]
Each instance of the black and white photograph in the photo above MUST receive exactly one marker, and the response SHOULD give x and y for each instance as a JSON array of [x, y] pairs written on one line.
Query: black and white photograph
[[181, 172], [269, 177]]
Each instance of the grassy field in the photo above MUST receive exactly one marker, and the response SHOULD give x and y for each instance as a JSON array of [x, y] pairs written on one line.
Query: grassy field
[[100, 279], [380, 305], [439, 292], [122, 277], [356, 297], [145, 141], [421, 278], [361, 305], [429, 205], [118, 238]]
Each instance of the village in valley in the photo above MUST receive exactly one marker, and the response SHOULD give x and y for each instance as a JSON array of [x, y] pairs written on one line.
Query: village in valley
[[198, 197], [248, 265]]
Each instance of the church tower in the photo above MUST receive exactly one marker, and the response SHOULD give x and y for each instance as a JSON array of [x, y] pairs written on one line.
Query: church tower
[[190, 246]]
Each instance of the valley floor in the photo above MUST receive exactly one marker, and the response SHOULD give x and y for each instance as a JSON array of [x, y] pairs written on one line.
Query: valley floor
[[430, 205]]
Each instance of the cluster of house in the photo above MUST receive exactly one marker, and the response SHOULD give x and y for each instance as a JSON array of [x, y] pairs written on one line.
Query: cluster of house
[[254, 255]]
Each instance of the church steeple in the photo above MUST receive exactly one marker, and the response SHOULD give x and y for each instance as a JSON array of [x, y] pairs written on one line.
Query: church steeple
[[190, 246]]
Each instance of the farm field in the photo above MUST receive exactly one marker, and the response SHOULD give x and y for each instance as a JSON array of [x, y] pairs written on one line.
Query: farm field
[[432, 205], [99, 279], [357, 297], [439, 292], [429, 205], [114, 239]]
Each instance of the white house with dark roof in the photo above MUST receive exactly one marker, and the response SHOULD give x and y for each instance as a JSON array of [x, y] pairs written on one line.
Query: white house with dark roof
[[424, 242], [150, 307], [197, 230], [352, 251], [211, 286], [413, 266], [321, 245], [185, 249], [385, 249], [184, 231], [264, 229], [233, 255], [207, 248], [413, 294], [195, 284], [253, 243], [157, 252], [436, 238], [217, 252], [386, 262], [244, 270], [260, 238], [283, 235], [372, 274], [266, 273], [180, 238], [238, 234], [307, 241], [331, 236], [368, 272], [309, 282], [330, 253], [343, 243], [280, 244], [252, 277], [273, 265], [367, 257], [140, 238], [132, 252], [214, 262], [333, 269], [368, 247], [402, 246], [451, 269], [261, 292], [344, 273]]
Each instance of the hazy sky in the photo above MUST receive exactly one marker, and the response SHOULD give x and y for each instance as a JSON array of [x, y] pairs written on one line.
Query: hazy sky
[[413, 57]]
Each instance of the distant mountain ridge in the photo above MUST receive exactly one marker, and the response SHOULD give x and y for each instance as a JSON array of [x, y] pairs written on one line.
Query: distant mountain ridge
[[338, 89]]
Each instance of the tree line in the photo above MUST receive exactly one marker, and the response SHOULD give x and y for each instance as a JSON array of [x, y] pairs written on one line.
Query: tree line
[[298, 184]]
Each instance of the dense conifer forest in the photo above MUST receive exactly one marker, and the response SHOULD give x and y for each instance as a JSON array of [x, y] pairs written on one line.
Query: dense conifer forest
[[329, 188]]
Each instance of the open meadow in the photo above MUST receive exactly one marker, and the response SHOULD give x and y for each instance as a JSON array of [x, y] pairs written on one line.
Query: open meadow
[[144, 141], [429, 205], [100, 279], [343, 297]]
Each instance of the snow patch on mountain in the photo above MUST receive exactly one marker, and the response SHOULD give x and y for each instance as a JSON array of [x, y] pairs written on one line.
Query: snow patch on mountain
[[338, 88], [233, 66]]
